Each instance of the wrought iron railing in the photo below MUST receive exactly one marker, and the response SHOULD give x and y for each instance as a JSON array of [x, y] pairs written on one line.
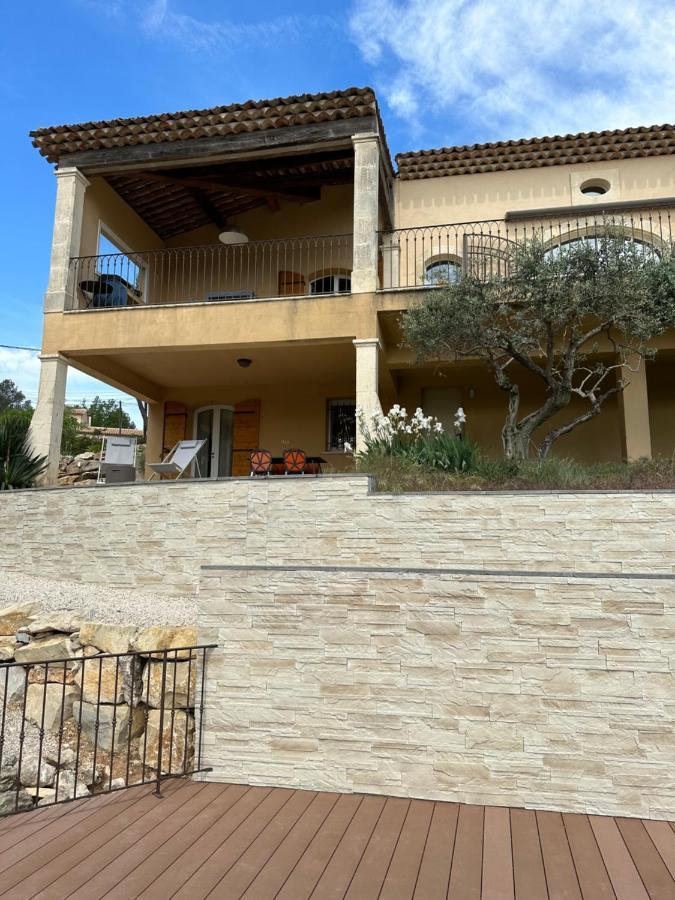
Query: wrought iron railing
[[214, 272], [80, 726], [435, 254]]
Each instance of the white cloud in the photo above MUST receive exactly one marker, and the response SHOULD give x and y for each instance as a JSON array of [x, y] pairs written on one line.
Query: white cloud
[[524, 67], [23, 368], [160, 21]]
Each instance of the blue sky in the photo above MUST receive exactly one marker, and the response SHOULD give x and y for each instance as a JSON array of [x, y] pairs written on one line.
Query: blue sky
[[448, 72]]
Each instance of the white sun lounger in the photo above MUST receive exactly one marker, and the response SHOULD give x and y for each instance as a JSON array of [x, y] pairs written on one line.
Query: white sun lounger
[[118, 459], [178, 460]]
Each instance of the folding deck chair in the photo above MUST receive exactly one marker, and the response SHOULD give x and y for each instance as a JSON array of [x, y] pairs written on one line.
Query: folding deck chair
[[178, 460]]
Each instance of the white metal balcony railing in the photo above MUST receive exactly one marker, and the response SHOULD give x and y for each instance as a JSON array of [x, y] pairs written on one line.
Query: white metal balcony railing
[[215, 272], [437, 254]]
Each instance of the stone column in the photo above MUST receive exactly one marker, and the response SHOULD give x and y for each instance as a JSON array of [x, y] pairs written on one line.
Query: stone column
[[70, 188], [367, 378], [47, 422], [634, 408], [366, 211]]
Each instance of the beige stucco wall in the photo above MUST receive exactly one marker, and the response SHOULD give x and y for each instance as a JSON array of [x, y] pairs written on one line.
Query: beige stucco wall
[[489, 195], [158, 534], [505, 690], [103, 206]]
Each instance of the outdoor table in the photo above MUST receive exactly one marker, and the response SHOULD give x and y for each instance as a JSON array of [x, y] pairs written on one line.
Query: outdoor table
[[313, 466]]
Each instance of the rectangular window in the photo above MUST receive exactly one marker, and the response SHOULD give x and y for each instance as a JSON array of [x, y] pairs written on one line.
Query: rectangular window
[[341, 424]]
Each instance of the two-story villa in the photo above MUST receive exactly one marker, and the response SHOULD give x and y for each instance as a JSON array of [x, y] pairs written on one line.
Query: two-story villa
[[243, 268]]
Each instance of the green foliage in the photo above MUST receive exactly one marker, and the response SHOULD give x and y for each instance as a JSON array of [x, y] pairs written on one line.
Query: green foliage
[[72, 441], [545, 319], [11, 397], [418, 439], [106, 414], [400, 475], [19, 467]]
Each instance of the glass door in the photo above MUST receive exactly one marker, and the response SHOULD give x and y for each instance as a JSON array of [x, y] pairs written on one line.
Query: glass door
[[213, 424]]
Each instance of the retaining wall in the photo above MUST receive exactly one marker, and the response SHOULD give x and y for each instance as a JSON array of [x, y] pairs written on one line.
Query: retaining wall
[[525, 690], [156, 535]]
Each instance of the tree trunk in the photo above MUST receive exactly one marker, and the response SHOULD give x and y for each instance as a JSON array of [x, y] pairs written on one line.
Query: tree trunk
[[512, 438]]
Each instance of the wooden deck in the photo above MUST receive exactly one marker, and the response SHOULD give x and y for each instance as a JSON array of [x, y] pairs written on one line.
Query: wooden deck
[[230, 841]]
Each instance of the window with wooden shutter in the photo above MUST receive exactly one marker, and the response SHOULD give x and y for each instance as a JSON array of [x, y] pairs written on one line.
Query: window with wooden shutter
[[246, 434], [291, 284], [175, 425]]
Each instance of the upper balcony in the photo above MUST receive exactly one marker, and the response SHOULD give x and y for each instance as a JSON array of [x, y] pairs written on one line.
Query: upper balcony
[[295, 267]]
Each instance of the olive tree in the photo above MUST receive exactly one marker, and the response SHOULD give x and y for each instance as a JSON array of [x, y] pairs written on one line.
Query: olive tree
[[578, 317]]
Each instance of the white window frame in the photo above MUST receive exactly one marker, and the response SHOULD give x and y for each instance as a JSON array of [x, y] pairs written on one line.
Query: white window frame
[[124, 248]]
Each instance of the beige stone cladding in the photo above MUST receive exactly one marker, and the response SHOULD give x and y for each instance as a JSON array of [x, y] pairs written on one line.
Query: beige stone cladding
[[525, 690], [158, 534]]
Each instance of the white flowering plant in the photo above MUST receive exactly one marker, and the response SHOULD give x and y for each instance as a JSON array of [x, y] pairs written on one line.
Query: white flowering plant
[[418, 438]]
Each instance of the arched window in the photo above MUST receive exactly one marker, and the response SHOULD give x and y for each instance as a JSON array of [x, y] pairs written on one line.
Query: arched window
[[331, 284], [442, 270], [642, 247]]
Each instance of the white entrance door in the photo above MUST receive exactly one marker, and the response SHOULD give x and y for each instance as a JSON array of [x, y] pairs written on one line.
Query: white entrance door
[[214, 425]]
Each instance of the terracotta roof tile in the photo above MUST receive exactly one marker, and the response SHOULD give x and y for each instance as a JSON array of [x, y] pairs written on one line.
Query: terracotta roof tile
[[253, 115], [530, 153]]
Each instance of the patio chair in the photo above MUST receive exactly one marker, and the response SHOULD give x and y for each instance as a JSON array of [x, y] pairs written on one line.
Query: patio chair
[[118, 459], [295, 462], [260, 462], [178, 460]]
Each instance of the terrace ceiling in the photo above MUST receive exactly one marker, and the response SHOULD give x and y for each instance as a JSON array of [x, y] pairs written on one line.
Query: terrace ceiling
[[175, 200]]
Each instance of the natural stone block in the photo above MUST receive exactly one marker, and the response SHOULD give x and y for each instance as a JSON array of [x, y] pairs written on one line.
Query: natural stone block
[[177, 732], [55, 700], [44, 650], [14, 617], [107, 638], [29, 773], [180, 684], [11, 801], [110, 679], [165, 637], [100, 722], [7, 647]]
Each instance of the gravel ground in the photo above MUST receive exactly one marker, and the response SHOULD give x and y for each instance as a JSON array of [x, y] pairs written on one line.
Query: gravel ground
[[96, 601]]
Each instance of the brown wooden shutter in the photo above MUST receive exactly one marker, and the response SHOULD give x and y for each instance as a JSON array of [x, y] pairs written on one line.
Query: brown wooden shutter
[[291, 284], [245, 434], [175, 425]]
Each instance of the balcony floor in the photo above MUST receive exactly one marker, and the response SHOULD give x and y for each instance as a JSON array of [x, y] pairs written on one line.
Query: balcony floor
[[232, 841]]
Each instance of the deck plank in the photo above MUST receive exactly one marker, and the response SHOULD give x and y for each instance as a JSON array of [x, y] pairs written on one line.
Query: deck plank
[[19, 864], [624, 876], [134, 854], [306, 873], [338, 874], [185, 861], [467, 861], [237, 878], [529, 876], [591, 872], [647, 859], [664, 841], [497, 855], [276, 870], [372, 869], [231, 841], [561, 876], [434, 874], [405, 864]]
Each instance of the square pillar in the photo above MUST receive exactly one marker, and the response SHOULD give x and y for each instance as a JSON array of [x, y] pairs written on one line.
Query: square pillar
[[70, 189], [47, 422], [366, 212], [367, 382], [634, 408]]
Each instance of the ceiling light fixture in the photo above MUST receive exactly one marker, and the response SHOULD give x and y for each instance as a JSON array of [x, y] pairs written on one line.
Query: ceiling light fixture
[[233, 235]]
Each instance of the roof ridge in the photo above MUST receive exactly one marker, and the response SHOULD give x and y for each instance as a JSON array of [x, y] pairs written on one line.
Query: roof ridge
[[545, 139], [267, 103]]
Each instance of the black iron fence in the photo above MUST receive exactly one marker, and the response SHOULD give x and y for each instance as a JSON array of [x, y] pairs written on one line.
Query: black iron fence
[[437, 254], [81, 726], [216, 272]]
